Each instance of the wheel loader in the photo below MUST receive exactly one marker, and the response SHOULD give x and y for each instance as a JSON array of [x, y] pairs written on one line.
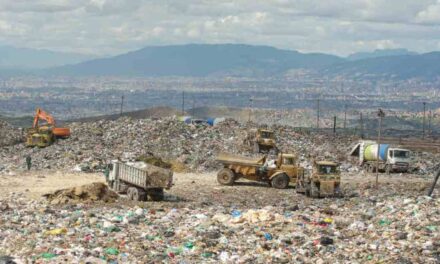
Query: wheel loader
[[261, 140]]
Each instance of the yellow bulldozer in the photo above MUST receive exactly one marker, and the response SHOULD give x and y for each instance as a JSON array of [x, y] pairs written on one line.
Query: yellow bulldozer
[[44, 135], [325, 180]]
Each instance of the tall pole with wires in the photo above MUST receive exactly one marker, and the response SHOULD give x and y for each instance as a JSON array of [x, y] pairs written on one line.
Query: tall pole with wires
[[183, 103], [317, 114], [424, 115], [122, 105], [380, 114]]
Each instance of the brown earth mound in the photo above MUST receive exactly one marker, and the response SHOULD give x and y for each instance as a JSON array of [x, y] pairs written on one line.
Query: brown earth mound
[[85, 194]]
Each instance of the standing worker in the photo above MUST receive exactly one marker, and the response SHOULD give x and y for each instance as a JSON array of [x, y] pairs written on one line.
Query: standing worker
[[28, 162]]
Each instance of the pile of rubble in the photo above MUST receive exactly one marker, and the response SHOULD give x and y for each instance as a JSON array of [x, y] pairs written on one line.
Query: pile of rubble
[[376, 228], [9, 135], [187, 147], [93, 145], [83, 194]]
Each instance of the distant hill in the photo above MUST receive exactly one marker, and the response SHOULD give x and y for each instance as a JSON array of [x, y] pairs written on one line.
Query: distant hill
[[203, 60], [425, 66], [380, 53], [24, 59], [200, 60]]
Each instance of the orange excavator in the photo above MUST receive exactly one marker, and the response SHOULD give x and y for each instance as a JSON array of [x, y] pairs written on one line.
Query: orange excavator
[[46, 134]]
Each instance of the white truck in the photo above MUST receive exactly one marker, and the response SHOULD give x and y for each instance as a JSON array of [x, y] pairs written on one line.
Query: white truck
[[391, 159], [139, 180]]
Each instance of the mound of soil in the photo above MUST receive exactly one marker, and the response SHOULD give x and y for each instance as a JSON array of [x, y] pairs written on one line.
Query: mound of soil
[[83, 194]]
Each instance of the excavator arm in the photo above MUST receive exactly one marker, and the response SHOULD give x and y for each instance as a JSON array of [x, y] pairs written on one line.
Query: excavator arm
[[40, 114], [62, 132]]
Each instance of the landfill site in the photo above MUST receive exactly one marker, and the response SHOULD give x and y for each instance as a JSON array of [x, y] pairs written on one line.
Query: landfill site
[[171, 190]]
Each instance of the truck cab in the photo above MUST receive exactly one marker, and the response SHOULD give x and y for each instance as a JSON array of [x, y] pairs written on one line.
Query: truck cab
[[398, 159], [289, 164]]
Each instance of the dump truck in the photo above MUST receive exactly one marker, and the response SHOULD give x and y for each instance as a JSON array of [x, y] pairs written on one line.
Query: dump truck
[[324, 181], [139, 180], [261, 140], [44, 135], [391, 159], [278, 173]]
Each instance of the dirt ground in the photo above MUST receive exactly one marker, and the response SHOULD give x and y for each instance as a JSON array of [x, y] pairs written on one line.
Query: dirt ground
[[36, 183], [203, 189]]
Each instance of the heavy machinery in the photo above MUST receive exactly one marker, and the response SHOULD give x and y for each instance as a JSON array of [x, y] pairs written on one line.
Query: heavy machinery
[[261, 140], [277, 173], [140, 180], [391, 159], [46, 134], [324, 181]]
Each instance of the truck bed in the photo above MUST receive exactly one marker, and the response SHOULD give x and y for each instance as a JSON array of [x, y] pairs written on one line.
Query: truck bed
[[144, 175], [240, 160]]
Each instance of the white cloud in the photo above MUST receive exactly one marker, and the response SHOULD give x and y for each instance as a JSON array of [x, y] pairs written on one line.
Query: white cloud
[[430, 15], [115, 26]]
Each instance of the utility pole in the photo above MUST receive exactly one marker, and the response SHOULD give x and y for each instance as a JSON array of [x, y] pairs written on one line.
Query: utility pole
[[183, 103], [429, 122], [334, 125], [424, 114], [122, 105], [380, 114], [345, 116], [250, 109], [361, 123], [317, 114]]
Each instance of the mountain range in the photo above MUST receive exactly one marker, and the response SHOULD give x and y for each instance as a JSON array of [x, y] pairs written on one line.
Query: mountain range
[[202, 60], [379, 53], [12, 58]]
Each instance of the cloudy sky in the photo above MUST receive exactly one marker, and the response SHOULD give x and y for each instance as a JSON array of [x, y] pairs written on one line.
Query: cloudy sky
[[106, 27]]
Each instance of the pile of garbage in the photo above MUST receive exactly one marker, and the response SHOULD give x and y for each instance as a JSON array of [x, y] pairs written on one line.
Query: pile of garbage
[[377, 228], [186, 147], [9, 135], [93, 145], [83, 194]]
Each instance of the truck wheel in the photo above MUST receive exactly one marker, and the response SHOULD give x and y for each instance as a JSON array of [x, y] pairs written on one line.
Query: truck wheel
[[156, 194], [256, 148], [130, 191], [226, 177], [387, 169], [138, 194], [281, 181], [307, 188], [314, 191]]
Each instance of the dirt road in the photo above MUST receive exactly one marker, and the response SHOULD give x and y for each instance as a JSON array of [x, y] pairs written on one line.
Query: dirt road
[[203, 189]]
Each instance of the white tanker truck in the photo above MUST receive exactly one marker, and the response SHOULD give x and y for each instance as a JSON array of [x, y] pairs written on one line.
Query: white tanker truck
[[391, 159]]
